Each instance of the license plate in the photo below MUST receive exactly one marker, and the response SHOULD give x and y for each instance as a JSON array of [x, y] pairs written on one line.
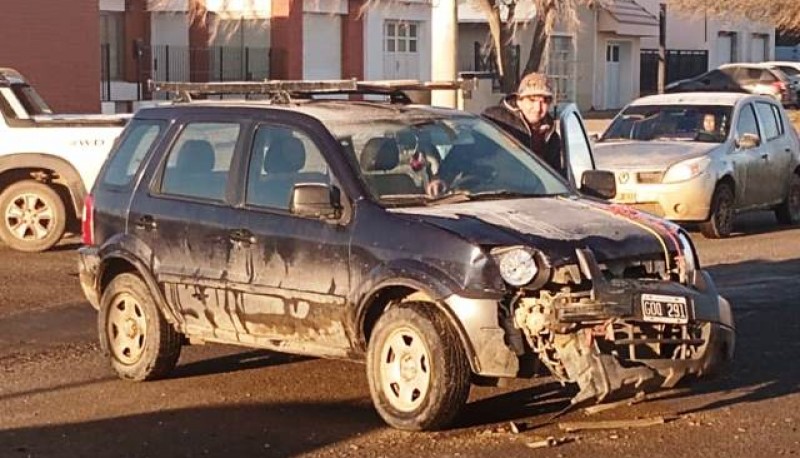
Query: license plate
[[626, 197], [658, 308]]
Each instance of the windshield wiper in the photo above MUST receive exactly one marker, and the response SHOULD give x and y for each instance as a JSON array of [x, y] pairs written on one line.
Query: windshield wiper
[[464, 196]]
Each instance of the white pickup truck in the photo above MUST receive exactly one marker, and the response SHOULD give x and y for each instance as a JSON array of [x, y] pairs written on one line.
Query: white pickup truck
[[48, 162]]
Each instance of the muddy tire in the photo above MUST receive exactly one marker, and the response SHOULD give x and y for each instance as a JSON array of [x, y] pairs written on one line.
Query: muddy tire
[[134, 335], [34, 217], [789, 211], [418, 372], [720, 221]]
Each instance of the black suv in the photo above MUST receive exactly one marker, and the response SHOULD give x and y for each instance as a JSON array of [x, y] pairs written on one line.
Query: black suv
[[313, 227]]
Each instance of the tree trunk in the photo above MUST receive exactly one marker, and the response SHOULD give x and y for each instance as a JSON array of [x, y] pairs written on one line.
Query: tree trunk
[[538, 53]]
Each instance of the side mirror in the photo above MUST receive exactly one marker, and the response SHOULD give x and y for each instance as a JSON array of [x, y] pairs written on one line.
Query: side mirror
[[315, 200], [599, 183], [748, 141]]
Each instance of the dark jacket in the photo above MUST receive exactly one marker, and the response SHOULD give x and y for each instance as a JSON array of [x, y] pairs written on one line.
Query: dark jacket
[[546, 145]]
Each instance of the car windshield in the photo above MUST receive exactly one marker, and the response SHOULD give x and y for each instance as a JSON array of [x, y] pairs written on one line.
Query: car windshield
[[791, 71], [434, 158], [694, 123]]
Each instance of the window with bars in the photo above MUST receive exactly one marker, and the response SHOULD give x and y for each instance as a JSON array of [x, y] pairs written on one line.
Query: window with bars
[[401, 37], [112, 42], [561, 67]]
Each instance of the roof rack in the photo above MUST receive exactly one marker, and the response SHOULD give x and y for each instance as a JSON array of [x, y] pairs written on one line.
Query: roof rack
[[284, 91]]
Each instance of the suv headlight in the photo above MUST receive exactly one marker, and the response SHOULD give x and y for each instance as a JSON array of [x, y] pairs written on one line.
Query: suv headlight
[[686, 170], [517, 265]]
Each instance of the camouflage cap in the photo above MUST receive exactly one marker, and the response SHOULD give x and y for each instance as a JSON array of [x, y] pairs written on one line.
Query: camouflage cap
[[534, 84]]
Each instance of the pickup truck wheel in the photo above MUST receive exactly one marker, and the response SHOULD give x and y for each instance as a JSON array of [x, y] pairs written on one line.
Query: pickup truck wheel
[[789, 211], [133, 334], [720, 222], [34, 218], [418, 372]]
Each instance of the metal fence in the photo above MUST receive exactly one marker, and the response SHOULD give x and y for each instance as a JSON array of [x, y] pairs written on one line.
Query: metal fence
[[681, 64], [182, 63]]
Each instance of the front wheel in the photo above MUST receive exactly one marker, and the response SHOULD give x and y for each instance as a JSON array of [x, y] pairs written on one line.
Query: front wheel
[[418, 372], [34, 217], [133, 333], [789, 211], [720, 221]]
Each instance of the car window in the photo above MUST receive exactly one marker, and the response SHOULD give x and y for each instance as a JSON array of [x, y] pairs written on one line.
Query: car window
[[280, 158], [139, 137], [580, 153], [747, 123], [767, 77], [791, 71], [779, 119], [768, 121], [199, 161], [697, 123]]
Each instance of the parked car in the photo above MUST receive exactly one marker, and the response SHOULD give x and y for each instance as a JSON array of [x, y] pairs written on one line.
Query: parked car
[[48, 162], [704, 157], [305, 226], [741, 77], [792, 71]]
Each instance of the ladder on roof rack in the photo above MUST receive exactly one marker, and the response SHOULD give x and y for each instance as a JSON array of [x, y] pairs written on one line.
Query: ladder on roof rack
[[285, 90]]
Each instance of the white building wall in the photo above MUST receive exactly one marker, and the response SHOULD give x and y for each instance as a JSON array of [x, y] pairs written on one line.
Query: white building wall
[[410, 10]]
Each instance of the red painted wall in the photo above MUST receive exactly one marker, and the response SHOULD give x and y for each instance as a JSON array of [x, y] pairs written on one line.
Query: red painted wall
[[56, 45], [286, 25]]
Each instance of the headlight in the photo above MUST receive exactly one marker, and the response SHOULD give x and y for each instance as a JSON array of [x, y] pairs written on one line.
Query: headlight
[[686, 170], [689, 254], [517, 265]]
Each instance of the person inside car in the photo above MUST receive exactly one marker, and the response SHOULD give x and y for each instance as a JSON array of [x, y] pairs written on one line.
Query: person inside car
[[708, 131]]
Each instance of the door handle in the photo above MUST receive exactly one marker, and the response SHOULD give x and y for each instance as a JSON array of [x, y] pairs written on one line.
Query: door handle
[[765, 156], [242, 236], [146, 222]]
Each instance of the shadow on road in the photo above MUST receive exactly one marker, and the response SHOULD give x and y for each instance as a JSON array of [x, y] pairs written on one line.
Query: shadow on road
[[264, 430], [748, 224], [232, 363]]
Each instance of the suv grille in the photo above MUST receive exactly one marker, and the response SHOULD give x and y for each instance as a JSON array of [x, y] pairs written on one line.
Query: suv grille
[[649, 177]]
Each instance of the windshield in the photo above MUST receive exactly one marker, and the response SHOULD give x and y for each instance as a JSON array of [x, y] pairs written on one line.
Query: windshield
[[30, 99], [424, 160], [698, 123], [791, 71]]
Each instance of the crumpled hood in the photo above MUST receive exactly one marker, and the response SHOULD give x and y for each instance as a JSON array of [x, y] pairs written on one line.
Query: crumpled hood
[[650, 155], [555, 226]]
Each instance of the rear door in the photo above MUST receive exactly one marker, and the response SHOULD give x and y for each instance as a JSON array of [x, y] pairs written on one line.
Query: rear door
[[776, 158], [183, 217]]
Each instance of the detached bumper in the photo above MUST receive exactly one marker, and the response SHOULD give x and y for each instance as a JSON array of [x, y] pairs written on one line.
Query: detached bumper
[[88, 266]]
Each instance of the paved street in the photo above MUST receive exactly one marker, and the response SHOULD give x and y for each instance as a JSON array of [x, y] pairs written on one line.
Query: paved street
[[58, 397]]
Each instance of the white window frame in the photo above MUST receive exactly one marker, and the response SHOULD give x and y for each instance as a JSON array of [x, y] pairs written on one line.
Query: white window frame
[[396, 39]]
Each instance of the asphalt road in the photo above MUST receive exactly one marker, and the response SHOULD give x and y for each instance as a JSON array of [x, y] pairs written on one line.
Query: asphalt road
[[59, 398]]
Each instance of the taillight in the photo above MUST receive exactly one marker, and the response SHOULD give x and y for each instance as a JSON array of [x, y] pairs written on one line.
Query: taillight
[[780, 86], [87, 225]]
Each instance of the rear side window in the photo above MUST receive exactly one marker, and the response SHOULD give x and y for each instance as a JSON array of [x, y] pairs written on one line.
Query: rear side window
[[779, 118], [769, 123], [199, 161], [126, 161]]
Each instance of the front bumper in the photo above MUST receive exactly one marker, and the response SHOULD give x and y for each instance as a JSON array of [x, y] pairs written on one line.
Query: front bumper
[[688, 200], [600, 339], [88, 268]]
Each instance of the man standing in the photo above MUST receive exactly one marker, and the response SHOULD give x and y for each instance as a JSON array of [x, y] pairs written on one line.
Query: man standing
[[525, 115]]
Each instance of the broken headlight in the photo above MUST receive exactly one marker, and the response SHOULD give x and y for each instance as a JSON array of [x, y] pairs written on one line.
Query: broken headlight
[[517, 265]]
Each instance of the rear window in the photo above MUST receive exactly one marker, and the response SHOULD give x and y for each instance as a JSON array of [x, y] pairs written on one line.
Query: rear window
[[139, 138]]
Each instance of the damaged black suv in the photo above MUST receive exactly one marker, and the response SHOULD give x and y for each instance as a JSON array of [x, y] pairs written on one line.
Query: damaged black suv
[[314, 227]]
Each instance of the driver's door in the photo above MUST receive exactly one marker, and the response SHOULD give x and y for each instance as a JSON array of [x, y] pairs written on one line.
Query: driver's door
[[576, 149]]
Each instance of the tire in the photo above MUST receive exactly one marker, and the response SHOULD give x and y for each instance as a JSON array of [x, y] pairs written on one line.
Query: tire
[[789, 211], [432, 375], [720, 221], [34, 217], [134, 335]]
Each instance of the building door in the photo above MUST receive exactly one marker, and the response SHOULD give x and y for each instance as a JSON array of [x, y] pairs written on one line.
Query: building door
[[725, 48], [613, 99], [401, 50]]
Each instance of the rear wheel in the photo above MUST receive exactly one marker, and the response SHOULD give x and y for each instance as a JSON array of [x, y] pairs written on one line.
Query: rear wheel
[[720, 221], [789, 211], [418, 372], [133, 334], [34, 217]]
